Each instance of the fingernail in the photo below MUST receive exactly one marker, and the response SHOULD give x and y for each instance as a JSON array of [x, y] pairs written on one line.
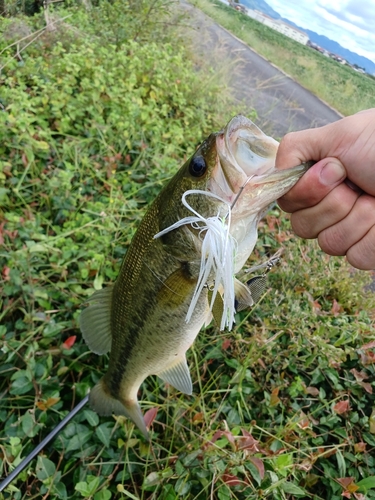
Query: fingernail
[[332, 173]]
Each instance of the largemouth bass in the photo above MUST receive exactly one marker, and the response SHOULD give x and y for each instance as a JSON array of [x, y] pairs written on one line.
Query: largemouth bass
[[179, 269]]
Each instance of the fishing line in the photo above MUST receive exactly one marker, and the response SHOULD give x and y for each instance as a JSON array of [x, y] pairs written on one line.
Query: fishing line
[[240, 191], [42, 444]]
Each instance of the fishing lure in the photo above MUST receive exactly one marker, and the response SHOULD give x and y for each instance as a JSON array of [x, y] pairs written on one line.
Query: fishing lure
[[218, 257]]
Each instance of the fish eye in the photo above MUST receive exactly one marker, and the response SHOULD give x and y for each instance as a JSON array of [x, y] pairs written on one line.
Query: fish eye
[[197, 166]]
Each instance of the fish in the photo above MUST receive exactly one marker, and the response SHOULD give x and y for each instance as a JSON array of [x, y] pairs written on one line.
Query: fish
[[179, 270]]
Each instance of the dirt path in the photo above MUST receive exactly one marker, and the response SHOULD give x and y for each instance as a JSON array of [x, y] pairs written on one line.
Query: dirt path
[[281, 103]]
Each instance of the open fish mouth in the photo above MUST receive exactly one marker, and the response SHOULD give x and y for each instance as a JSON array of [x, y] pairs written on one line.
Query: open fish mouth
[[246, 158], [249, 148]]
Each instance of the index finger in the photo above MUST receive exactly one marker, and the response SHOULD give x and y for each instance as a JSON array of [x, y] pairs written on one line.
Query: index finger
[[298, 147]]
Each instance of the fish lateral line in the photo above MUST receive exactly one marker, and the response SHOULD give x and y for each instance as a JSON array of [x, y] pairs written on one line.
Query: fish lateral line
[[163, 282]]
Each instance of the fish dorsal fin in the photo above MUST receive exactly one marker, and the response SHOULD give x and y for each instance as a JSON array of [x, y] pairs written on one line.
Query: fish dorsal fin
[[257, 286], [217, 307], [95, 321], [243, 296], [178, 375]]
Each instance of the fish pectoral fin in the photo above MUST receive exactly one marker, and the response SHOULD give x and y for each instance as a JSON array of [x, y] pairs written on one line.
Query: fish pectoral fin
[[178, 375], [95, 321], [217, 307], [257, 286], [105, 404], [175, 289], [243, 296]]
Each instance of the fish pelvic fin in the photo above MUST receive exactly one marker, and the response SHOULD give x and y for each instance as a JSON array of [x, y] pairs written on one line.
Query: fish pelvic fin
[[95, 321], [178, 375], [105, 404]]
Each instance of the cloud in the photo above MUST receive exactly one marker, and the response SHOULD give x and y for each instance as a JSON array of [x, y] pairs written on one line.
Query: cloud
[[358, 13], [348, 22]]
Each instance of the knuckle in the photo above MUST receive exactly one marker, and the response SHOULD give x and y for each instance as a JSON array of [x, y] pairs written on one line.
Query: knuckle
[[284, 205], [302, 227], [289, 140], [356, 260], [362, 254], [332, 241], [366, 204]]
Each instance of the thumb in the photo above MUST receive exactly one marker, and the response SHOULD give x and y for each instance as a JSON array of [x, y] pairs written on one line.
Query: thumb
[[314, 185]]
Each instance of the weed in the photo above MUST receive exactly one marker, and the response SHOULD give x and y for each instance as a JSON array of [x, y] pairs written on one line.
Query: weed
[[282, 405]]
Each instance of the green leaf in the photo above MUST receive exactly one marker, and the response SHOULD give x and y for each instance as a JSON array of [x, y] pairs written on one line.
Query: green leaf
[[369, 438], [83, 488], [45, 468], [103, 495], [103, 432], [28, 424], [88, 487], [168, 493], [42, 145], [20, 386], [91, 417], [341, 463], [224, 493], [283, 463], [77, 441], [293, 489], [368, 483], [60, 490]]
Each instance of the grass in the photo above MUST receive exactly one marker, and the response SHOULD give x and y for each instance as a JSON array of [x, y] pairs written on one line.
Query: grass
[[283, 405], [340, 86]]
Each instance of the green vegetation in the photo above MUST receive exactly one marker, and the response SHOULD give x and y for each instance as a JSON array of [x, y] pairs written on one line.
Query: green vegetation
[[94, 118], [338, 85]]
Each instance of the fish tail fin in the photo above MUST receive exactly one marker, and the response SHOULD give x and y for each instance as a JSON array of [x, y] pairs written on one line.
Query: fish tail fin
[[105, 404]]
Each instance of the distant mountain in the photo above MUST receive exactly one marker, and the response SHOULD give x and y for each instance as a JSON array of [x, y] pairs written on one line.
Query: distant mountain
[[262, 6], [320, 40], [338, 49]]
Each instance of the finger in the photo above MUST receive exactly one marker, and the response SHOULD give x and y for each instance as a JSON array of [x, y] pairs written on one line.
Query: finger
[[314, 185], [340, 237], [362, 254], [351, 139], [309, 222], [297, 147]]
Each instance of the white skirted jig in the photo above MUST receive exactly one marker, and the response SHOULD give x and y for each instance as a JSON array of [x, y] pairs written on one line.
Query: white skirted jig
[[218, 257]]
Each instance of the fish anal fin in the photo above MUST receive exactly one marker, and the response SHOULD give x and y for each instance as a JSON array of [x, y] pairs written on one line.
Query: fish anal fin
[[177, 374], [243, 295], [105, 404], [95, 321]]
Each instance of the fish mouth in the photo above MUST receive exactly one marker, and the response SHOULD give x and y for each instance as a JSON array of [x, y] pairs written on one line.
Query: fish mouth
[[246, 165]]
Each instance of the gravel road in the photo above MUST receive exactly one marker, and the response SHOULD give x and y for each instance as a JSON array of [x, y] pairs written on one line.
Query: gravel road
[[281, 103]]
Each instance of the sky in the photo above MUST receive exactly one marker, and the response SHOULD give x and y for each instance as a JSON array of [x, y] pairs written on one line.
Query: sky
[[351, 23]]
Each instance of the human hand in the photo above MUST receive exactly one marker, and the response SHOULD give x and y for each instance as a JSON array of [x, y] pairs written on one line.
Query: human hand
[[335, 200]]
